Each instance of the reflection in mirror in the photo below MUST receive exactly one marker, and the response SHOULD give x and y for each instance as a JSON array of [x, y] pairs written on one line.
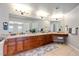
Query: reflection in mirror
[[29, 23], [56, 26]]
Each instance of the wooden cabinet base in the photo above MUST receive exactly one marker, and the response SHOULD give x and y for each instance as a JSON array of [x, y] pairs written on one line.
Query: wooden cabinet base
[[16, 45]]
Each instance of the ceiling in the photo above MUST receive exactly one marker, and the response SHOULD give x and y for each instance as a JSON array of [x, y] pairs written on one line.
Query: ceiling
[[50, 7]]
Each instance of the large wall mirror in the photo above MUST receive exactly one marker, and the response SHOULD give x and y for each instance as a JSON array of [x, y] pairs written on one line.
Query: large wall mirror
[[57, 25], [26, 24], [21, 24]]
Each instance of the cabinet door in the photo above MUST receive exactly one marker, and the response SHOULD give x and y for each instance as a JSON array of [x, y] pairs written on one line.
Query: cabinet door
[[11, 48], [48, 38], [19, 46], [41, 39], [35, 41], [26, 43], [44, 38]]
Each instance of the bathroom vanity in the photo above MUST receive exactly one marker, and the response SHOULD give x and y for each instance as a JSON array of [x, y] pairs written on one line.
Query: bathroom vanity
[[19, 43]]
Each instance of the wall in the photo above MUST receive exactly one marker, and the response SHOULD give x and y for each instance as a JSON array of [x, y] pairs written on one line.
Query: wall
[[72, 20], [4, 11], [4, 17]]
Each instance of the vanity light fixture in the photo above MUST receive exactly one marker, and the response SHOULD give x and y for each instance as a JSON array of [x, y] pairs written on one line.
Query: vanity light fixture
[[22, 9], [23, 12]]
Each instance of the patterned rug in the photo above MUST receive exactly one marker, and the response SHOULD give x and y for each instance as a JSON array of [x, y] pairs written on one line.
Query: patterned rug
[[40, 51]]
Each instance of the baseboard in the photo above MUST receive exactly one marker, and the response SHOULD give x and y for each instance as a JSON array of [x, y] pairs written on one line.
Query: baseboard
[[73, 47]]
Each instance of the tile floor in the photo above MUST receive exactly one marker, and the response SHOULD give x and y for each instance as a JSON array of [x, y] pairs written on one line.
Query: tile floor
[[51, 50], [63, 50]]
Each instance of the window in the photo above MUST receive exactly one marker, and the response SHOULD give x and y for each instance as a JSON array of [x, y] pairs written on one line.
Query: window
[[10, 28]]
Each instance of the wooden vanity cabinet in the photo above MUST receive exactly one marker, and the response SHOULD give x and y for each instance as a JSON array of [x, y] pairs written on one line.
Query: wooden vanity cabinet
[[11, 47], [27, 43], [15, 45]]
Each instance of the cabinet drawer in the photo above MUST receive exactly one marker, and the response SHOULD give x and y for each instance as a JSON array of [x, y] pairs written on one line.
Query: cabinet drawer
[[26, 44]]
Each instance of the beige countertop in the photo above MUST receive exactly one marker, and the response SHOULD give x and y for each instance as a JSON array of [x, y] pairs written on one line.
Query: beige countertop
[[34, 34]]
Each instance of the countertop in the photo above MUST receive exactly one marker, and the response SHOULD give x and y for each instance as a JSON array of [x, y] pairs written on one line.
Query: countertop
[[35, 34]]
